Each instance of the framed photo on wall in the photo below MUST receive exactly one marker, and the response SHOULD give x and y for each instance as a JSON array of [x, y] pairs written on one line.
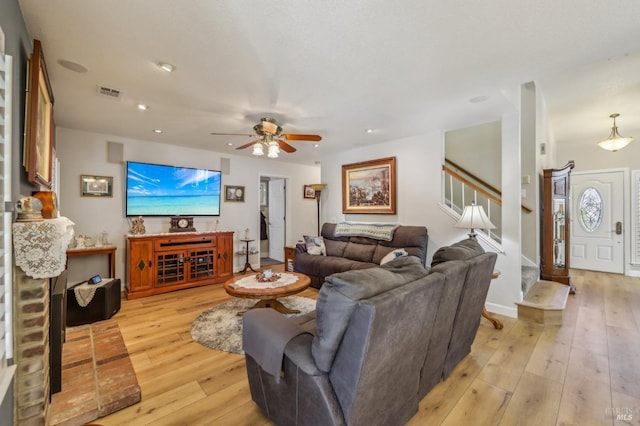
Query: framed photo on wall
[[234, 193], [38, 149], [309, 192], [369, 187], [96, 186]]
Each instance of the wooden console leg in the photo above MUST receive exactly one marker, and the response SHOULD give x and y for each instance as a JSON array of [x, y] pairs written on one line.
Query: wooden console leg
[[496, 322]]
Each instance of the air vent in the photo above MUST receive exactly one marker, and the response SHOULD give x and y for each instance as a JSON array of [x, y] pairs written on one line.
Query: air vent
[[109, 91]]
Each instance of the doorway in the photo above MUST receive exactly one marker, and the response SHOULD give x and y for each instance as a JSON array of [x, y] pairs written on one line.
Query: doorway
[[597, 223], [272, 219]]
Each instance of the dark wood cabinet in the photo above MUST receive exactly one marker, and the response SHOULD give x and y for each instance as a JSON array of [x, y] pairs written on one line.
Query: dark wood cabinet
[[289, 258], [161, 263], [556, 214]]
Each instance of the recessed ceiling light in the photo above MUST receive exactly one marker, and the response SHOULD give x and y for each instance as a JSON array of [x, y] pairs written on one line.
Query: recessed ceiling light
[[73, 66], [165, 66], [157, 130], [478, 99], [315, 145], [143, 107], [370, 130], [229, 144]]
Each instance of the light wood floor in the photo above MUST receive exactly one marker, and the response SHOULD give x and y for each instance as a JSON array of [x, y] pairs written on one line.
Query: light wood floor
[[583, 372]]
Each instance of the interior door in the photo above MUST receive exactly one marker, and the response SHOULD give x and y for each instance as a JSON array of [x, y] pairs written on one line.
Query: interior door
[[276, 218], [597, 223]]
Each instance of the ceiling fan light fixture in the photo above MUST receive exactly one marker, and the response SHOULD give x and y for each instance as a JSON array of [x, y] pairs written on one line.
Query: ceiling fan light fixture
[[257, 149], [615, 141], [274, 150]]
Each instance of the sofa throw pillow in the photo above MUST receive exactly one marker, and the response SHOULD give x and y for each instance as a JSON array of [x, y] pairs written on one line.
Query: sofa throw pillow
[[393, 255], [315, 245]]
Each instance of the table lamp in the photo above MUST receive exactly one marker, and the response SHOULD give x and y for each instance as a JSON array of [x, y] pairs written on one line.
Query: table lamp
[[473, 217]]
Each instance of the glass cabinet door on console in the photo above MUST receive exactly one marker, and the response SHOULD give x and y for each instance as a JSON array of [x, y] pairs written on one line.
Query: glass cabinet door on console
[[555, 216], [170, 268], [201, 264]]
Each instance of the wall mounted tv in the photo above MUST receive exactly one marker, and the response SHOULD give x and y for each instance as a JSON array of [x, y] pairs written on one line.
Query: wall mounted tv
[[159, 190]]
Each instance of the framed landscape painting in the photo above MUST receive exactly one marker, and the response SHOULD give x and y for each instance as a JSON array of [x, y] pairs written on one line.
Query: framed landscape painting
[[38, 152], [369, 187]]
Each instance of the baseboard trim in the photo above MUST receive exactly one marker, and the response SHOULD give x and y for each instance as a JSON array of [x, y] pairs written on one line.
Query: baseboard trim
[[502, 310]]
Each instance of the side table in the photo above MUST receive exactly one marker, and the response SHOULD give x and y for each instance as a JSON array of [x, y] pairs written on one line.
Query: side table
[[496, 322], [289, 258], [109, 250], [247, 265]]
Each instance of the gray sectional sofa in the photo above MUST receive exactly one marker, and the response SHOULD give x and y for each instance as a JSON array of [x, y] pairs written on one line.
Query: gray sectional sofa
[[345, 253], [379, 340]]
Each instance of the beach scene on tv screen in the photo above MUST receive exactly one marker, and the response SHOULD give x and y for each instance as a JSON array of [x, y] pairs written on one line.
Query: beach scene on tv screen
[[165, 190]]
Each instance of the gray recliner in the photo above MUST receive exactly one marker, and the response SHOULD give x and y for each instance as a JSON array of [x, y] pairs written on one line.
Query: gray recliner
[[468, 271], [363, 365]]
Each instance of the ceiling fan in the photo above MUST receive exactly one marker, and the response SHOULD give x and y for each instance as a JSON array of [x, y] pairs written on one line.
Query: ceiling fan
[[271, 136]]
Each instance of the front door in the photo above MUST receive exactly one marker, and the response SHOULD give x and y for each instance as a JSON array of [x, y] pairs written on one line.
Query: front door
[[597, 234]]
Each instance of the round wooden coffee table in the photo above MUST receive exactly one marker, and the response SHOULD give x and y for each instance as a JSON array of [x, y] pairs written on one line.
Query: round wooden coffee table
[[268, 297]]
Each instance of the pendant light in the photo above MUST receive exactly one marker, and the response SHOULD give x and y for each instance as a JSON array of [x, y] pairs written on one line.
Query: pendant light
[[614, 142]]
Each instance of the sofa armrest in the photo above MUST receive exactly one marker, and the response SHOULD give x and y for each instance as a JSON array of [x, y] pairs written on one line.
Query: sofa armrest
[[265, 334], [298, 351]]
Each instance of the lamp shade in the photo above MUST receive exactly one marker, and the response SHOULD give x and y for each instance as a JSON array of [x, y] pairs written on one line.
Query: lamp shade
[[474, 217], [318, 186], [615, 141]]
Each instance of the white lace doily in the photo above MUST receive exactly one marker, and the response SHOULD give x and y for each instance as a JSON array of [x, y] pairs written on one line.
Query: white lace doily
[[84, 292], [252, 282], [40, 248]]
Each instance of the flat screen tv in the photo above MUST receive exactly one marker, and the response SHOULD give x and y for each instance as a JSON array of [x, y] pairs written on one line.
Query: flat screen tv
[[159, 190]]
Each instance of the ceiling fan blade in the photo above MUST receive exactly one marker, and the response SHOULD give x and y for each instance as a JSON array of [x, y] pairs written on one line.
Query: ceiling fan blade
[[247, 145], [232, 134], [285, 146], [293, 137]]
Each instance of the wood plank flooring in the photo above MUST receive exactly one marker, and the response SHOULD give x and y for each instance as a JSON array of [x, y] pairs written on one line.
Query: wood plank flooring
[[583, 372]]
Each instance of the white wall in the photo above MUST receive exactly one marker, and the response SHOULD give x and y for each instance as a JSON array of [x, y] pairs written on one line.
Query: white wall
[[475, 147], [86, 153], [419, 186]]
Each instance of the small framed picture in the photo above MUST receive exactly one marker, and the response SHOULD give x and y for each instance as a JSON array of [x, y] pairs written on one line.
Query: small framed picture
[[96, 186], [234, 193], [309, 192]]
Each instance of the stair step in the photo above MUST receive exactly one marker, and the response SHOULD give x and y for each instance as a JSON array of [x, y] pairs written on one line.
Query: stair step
[[544, 303]]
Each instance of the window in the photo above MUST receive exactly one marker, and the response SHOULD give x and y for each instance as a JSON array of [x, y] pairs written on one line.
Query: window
[[590, 209], [6, 336]]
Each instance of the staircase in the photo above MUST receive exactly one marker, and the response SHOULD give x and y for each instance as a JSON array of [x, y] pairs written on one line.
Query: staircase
[[529, 277], [544, 303]]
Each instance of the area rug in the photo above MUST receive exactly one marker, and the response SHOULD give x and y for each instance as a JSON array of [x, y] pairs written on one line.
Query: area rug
[[220, 328]]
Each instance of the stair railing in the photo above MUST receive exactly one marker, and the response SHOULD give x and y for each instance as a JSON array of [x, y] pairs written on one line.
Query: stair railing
[[460, 191]]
